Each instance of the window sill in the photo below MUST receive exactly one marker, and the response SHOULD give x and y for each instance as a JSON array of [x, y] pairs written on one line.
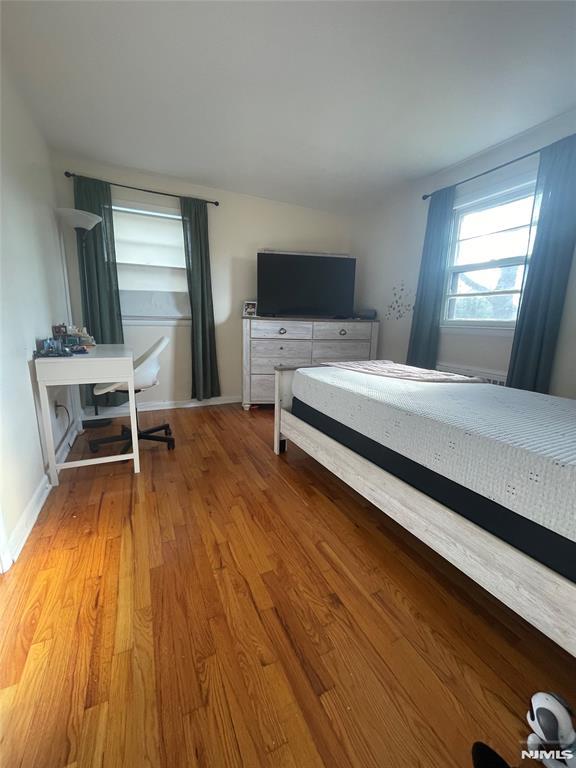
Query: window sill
[[156, 320], [478, 329]]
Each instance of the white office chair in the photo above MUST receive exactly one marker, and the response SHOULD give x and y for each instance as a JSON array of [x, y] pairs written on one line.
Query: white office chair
[[146, 369]]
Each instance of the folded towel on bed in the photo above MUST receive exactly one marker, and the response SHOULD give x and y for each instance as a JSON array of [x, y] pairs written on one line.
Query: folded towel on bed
[[398, 371]]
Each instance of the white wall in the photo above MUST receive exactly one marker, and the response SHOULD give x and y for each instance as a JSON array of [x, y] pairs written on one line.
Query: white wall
[[33, 298], [388, 242], [238, 228]]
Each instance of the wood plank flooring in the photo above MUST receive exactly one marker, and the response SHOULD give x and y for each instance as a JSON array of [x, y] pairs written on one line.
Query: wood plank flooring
[[228, 607]]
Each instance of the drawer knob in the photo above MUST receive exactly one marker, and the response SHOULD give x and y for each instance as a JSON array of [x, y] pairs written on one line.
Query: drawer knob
[[342, 331], [281, 347], [282, 331]]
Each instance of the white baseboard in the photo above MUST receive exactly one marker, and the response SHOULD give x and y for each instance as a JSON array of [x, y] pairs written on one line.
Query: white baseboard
[[28, 518], [5, 554], [30, 514], [160, 405], [67, 441]]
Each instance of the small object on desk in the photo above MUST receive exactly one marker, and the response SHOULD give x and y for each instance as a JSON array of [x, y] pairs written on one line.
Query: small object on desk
[[82, 341], [76, 335], [51, 348], [59, 330]]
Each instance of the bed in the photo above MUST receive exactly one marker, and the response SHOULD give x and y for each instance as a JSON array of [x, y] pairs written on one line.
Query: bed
[[484, 475]]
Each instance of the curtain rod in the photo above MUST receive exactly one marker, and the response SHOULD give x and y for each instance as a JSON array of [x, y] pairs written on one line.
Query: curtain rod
[[491, 170], [69, 175]]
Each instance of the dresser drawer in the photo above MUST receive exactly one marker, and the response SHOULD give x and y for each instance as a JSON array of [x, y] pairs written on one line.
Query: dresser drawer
[[351, 331], [281, 348], [268, 364], [262, 389], [281, 329], [323, 351]]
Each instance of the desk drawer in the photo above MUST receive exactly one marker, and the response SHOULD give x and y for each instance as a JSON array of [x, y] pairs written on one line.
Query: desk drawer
[[262, 389], [83, 369], [287, 349], [281, 329], [323, 351]]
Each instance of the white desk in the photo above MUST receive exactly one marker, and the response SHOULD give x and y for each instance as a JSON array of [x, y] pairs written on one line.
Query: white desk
[[103, 364]]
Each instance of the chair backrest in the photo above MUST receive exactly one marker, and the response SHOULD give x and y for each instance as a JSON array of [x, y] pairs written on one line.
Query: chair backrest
[[147, 366]]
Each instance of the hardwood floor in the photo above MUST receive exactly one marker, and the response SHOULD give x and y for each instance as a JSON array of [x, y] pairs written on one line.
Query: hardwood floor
[[228, 607]]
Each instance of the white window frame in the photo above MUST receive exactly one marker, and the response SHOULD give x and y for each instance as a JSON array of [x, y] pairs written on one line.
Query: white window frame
[[508, 196], [155, 212]]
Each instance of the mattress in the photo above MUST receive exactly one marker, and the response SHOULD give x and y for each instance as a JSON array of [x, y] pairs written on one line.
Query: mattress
[[515, 448]]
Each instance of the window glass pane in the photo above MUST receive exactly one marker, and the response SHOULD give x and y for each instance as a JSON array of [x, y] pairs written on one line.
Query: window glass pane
[[150, 240], [503, 307], [502, 245], [505, 216], [134, 277], [479, 280]]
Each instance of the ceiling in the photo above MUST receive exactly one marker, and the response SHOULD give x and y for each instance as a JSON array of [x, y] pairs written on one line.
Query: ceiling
[[323, 104]]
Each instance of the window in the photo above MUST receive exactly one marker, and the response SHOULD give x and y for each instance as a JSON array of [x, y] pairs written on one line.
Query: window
[[491, 244], [149, 250]]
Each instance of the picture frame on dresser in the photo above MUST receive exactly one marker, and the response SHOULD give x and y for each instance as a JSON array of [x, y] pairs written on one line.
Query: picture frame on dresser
[[249, 308], [268, 342]]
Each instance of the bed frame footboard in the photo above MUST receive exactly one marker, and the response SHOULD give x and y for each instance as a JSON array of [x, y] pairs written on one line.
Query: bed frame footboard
[[282, 400], [535, 592]]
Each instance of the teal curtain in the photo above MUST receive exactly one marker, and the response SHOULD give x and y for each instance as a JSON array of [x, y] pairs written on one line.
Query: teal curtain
[[425, 331], [540, 315], [98, 275], [205, 380]]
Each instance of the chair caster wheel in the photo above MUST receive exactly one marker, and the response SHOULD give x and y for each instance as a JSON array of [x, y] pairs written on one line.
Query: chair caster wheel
[[171, 445], [94, 448]]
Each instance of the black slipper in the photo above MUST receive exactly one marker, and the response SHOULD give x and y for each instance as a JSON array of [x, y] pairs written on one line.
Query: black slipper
[[485, 757]]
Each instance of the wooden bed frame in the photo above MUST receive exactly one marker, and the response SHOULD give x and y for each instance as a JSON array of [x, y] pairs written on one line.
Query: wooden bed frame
[[535, 592]]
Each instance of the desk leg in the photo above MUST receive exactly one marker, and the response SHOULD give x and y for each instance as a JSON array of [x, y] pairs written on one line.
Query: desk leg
[[134, 426], [48, 436]]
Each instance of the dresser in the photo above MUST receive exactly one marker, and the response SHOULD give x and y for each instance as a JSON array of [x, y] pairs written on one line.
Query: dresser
[[268, 342]]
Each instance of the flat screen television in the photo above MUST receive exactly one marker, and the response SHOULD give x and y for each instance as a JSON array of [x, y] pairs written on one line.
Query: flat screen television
[[302, 284]]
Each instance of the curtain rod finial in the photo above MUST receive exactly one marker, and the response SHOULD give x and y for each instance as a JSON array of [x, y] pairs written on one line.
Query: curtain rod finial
[[425, 197]]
